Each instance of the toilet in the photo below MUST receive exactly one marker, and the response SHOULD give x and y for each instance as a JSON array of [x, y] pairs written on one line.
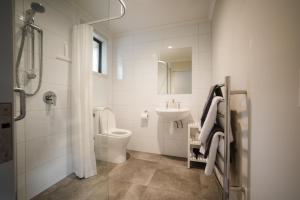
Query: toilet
[[110, 142]]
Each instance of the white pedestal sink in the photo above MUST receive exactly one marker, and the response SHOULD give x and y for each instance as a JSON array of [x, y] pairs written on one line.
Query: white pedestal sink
[[172, 114]]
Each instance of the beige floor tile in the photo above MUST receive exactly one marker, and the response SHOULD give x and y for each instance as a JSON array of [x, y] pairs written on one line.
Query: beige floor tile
[[144, 156], [135, 192], [177, 178], [135, 171], [166, 194], [143, 176]]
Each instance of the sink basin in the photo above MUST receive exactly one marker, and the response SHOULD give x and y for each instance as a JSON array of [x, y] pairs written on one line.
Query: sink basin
[[173, 114]]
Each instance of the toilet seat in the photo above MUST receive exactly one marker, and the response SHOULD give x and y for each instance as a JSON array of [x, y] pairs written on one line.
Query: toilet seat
[[117, 132], [105, 123]]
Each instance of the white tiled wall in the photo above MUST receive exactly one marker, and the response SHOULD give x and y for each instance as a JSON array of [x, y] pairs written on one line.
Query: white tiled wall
[[137, 54], [43, 138], [264, 61], [102, 83]]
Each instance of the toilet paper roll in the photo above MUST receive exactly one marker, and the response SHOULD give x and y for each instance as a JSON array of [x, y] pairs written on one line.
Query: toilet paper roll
[[145, 116]]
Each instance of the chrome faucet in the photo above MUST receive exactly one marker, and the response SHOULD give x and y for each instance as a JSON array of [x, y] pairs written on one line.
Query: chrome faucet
[[173, 104], [50, 98]]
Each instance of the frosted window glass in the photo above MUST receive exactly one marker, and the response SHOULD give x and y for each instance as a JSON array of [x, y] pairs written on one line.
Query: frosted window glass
[[95, 56]]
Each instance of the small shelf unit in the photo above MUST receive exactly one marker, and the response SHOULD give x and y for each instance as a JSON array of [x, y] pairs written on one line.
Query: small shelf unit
[[193, 142]]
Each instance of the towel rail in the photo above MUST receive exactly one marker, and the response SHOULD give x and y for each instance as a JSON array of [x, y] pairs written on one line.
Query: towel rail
[[225, 182]]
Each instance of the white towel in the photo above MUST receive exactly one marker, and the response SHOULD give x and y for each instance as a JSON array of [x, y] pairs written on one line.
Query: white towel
[[209, 122], [97, 124], [211, 159]]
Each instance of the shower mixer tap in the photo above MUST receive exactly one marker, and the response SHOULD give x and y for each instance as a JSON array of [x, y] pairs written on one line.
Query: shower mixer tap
[[50, 98], [31, 75]]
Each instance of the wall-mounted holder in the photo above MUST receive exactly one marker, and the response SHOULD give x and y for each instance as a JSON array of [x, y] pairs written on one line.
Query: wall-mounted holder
[[144, 118], [50, 98], [145, 115], [65, 57]]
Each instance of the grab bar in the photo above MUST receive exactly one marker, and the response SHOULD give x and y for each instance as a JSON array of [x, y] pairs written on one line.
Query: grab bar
[[22, 104]]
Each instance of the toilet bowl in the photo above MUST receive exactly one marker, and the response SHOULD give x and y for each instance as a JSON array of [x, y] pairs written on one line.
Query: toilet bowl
[[110, 142]]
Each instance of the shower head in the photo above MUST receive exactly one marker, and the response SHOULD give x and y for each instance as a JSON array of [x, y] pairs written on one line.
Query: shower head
[[35, 8]]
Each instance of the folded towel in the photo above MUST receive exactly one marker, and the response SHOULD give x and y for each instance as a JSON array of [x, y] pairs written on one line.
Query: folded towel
[[215, 129], [214, 90], [97, 124], [209, 122], [211, 159]]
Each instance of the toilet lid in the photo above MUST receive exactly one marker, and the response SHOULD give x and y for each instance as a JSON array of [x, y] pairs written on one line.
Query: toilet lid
[[107, 121]]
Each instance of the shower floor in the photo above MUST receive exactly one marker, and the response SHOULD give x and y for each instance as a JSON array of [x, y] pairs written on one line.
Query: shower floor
[[143, 176]]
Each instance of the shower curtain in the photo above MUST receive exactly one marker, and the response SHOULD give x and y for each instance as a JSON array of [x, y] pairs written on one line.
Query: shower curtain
[[84, 161]]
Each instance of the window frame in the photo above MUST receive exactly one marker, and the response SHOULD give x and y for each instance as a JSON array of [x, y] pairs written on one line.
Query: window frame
[[100, 43], [104, 55]]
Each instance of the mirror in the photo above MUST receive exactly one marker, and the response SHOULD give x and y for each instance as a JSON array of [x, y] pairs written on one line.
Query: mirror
[[175, 71]]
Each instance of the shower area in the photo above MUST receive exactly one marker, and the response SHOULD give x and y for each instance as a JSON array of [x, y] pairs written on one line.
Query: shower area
[[34, 35], [43, 96]]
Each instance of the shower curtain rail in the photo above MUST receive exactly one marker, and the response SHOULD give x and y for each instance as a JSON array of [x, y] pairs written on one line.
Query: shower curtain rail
[[123, 11], [225, 182]]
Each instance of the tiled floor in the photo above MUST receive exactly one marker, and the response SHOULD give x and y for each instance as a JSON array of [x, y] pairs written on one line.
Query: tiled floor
[[143, 176]]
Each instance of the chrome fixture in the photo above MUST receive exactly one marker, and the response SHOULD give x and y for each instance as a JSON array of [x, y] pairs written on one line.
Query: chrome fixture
[[123, 11], [163, 62], [223, 176], [22, 104], [50, 98], [173, 104], [29, 29], [35, 8]]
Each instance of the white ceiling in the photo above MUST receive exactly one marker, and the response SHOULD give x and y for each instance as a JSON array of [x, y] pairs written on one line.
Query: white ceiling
[[143, 14], [176, 54]]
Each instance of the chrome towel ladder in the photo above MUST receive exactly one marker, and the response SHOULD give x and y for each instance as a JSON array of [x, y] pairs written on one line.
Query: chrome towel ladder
[[225, 182]]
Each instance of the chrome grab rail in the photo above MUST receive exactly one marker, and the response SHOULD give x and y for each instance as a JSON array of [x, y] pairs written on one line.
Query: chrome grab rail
[[22, 104], [123, 11]]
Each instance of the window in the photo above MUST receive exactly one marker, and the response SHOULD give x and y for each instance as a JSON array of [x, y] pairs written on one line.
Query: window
[[99, 54]]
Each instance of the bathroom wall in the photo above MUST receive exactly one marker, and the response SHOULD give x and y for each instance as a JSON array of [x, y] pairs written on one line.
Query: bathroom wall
[[45, 132], [257, 44], [102, 83], [135, 78]]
